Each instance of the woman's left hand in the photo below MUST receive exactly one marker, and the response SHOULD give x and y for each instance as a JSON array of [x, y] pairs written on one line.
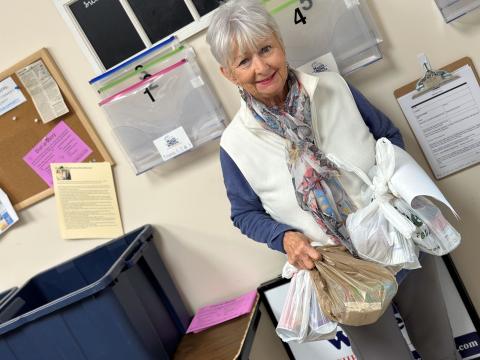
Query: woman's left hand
[[299, 251]]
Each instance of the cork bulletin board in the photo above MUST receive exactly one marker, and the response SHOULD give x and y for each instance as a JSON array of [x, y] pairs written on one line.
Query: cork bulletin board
[[19, 133]]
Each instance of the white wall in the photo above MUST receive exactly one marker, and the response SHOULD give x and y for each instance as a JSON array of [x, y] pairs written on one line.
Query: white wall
[[185, 200]]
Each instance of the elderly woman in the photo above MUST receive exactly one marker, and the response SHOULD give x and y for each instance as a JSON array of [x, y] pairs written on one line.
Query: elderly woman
[[276, 174]]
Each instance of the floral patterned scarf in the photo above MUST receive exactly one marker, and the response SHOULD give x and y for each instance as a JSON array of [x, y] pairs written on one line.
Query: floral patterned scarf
[[315, 179]]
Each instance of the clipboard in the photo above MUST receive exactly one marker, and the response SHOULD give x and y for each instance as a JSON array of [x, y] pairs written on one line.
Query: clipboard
[[411, 87]]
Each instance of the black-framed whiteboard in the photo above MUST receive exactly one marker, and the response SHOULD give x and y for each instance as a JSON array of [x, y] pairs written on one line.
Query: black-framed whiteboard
[[108, 30], [112, 31], [462, 314]]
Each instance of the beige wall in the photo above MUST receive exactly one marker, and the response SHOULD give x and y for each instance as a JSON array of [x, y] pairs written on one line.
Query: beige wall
[[185, 200]]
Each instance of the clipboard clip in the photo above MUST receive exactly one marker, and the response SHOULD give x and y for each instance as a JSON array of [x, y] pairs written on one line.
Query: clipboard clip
[[432, 79]]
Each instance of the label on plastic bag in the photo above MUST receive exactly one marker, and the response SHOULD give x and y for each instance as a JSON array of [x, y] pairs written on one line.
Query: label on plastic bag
[[173, 143]]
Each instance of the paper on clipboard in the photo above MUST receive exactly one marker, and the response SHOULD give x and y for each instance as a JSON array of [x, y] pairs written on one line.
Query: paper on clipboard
[[446, 123]]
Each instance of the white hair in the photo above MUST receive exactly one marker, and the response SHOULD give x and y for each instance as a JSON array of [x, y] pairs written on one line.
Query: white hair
[[242, 23]]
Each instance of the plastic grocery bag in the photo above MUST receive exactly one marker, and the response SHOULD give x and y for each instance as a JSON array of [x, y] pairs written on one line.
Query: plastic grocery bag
[[378, 231], [301, 319], [434, 234], [376, 239], [352, 291], [319, 326]]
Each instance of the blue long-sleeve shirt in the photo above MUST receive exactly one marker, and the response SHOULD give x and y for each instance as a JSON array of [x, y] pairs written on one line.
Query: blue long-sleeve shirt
[[247, 212]]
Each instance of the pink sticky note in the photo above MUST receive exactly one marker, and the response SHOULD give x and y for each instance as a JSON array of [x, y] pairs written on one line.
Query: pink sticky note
[[211, 315], [61, 145]]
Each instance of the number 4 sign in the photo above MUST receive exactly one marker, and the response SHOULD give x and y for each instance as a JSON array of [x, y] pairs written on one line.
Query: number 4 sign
[[299, 18]]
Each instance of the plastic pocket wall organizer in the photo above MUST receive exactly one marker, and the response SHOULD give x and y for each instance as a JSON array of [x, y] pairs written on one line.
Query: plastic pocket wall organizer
[[163, 116], [114, 302]]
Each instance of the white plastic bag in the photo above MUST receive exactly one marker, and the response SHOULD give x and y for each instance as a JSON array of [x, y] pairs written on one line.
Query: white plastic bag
[[319, 326], [301, 319], [376, 239], [378, 231]]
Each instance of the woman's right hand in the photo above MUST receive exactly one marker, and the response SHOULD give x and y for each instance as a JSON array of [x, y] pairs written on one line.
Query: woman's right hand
[[299, 251]]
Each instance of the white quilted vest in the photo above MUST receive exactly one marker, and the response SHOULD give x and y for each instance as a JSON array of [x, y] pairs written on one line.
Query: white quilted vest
[[260, 154]]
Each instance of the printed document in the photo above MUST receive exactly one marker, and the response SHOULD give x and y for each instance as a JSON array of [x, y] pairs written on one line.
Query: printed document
[[60, 145], [8, 216], [446, 122], [86, 200], [10, 95], [44, 91]]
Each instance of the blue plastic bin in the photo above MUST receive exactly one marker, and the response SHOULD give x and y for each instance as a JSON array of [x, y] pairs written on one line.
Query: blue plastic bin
[[114, 302], [4, 296]]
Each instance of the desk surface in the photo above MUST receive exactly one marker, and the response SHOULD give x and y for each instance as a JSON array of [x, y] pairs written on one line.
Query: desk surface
[[223, 342]]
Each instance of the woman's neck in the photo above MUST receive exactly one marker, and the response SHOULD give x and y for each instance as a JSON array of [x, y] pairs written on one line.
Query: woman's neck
[[276, 100]]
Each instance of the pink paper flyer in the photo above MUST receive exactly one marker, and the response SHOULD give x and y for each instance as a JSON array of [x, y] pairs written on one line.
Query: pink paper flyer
[[61, 145], [211, 315]]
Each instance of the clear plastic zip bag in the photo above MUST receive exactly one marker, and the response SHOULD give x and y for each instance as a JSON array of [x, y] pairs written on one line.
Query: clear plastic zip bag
[[434, 234], [165, 115]]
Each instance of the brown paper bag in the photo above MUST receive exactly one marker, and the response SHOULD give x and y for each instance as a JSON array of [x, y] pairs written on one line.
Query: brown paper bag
[[352, 291]]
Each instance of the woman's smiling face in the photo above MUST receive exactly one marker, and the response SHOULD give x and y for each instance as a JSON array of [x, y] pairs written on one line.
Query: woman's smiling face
[[262, 72]]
